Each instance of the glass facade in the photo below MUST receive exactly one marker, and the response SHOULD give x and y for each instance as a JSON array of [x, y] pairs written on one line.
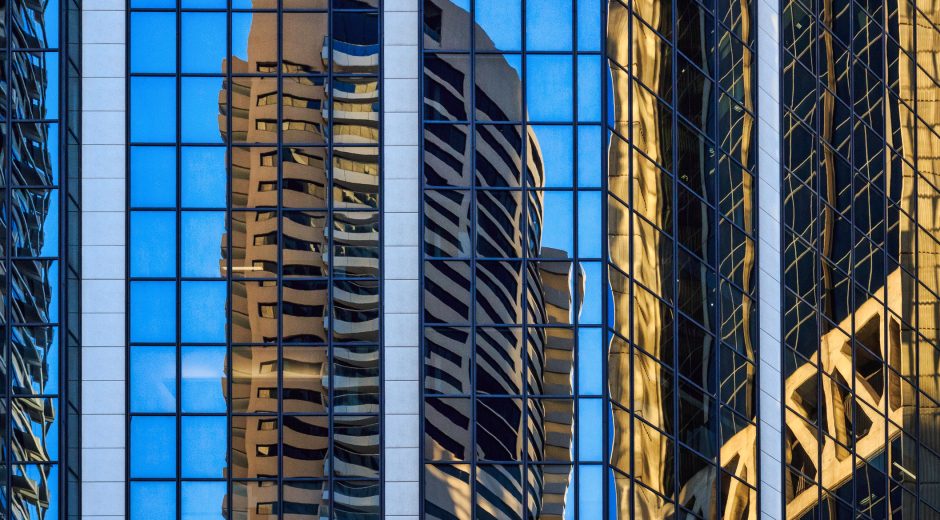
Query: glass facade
[[861, 140], [253, 259], [39, 202], [589, 326]]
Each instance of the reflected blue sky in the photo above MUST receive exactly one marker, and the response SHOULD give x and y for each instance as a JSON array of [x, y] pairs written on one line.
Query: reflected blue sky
[[589, 156], [202, 312], [555, 144], [241, 25], [153, 500], [203, 455], [590, 500], [153, 42], [156, 125], [501, 20], [153, 243], [548, 25], [548, 87], [153, 448], [203, 177], [153, 176], [201, 240], [590, 361], [203, 369], [203, 42], [153, 379], [200, 110], [202, 500], [590, 437], [153, 312]]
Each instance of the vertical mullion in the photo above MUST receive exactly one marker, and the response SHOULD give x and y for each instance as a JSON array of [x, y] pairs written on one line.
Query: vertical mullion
[[279, 346], [471, 130], [329, 237], [8, 312], [229, 261], [526, 255], [178, 260]]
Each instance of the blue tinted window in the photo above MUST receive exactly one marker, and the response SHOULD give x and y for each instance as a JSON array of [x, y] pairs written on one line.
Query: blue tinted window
[[203, 455], [548, 87], [591, 482], [153, 501], [200, 500], [590, 214], [590, 361], [153, 42], [153, 379], [589, 156], [589, 80], [501, 21], [153, 176], [201, 243], [203, 177], [558, 224], [200, 110], [548, 25], [204, 41], [153, 311], [202, 379], [556, 149], [589, 26], [153, 447], [153, 243], [202, 311], [592, 299], [590, 415], [153, 109]]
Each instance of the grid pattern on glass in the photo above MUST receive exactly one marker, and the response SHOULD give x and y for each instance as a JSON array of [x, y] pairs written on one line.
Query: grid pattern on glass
[[861, 295], [538, 399], [34, 200], [253, 261], [681, 237]]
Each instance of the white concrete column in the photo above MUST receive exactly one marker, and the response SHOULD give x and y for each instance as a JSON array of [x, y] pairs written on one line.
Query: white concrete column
[[770, 263], [103, 259], [401, 256]]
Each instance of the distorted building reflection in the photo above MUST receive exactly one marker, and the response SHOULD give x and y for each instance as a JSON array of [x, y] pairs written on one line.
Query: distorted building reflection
[[861, 284], [682, 356], [502, 335], [303, 250], [30, 209]]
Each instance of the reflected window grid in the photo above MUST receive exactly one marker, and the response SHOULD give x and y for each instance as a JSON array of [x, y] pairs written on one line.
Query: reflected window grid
[[860, 295], [253, 265], [497, 219], [37, 335]]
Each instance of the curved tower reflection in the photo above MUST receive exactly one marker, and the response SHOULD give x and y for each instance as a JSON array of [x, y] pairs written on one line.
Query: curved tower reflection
[[498, 305], [30, 209], [303, 251]]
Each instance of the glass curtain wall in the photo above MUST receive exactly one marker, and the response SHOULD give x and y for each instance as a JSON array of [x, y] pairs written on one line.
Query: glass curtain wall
[[861, 141], [588, 278], [38, 199], [253, 259]]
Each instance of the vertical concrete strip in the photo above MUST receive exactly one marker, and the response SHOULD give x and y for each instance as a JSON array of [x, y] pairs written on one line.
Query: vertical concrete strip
[[103, 248], [402, 190], [770, 264]]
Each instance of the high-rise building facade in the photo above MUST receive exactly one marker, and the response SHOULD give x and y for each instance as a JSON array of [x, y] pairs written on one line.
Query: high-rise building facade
[[469, 259]]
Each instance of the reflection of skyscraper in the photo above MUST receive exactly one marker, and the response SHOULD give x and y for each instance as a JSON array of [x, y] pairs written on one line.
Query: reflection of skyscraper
[[490, 361], [30, 212], [680, 220], [306, 259]]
